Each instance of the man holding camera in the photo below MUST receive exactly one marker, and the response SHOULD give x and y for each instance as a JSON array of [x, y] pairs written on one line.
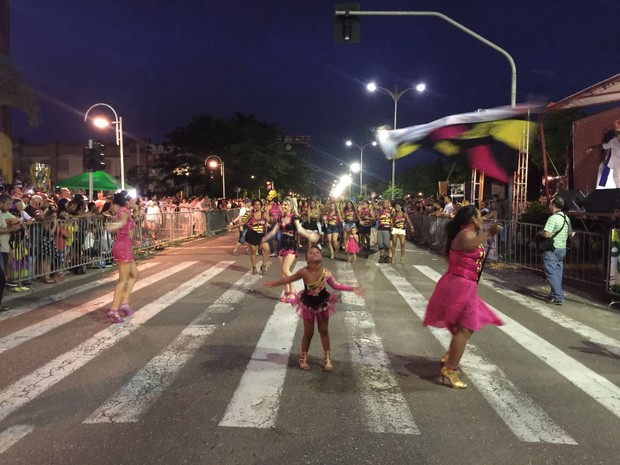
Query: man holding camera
[[557, 227]]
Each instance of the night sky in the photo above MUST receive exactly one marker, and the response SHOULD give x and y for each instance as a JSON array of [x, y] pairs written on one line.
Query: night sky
[[159, 62]]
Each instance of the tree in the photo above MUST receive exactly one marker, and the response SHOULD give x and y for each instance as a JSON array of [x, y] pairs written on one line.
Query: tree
[[425, 177], [245, 144], [558, 127]]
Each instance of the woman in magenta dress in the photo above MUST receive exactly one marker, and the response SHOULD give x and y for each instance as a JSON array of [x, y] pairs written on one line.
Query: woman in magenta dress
[[315, 303], [455, 303], [122, 251]]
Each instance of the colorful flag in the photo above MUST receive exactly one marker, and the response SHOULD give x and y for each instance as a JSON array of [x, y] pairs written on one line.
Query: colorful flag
[[490, 138]]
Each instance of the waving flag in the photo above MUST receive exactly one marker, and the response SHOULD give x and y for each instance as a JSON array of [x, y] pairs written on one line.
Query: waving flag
[[490, 138]]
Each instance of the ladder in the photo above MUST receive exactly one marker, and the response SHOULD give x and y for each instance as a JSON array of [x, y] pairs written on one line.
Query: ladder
[[519, 189], [477, 187], [519, 186]]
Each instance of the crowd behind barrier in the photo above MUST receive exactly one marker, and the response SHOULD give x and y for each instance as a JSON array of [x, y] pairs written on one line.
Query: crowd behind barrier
[[586, 258], [45, 250]]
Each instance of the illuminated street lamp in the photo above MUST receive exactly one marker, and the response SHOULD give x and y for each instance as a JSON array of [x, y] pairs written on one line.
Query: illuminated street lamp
[[211, 163], [396, 95], [102, 122], [361, 164]]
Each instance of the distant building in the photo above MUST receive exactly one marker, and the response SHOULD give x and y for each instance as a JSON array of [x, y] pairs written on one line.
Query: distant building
[[66, 159]]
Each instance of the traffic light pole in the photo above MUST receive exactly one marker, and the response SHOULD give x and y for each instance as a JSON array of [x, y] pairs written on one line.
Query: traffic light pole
[[513, 67]]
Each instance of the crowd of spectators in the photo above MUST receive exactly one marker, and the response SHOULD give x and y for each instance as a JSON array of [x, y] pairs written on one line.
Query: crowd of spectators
[[49, 234]]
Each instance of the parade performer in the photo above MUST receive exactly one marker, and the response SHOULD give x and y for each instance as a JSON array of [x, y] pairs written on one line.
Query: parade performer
[[353, 247], [290, 227], [244, 214], [398, 230], [349, 216], [122, 251], [455, 303], [256, 224], [384, 219], [332, 229], [315, 303], [366, 217]]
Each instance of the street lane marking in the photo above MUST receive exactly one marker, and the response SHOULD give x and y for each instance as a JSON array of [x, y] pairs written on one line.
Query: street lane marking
[[19, 337], [256, 400], [13, 434], [136, 397], [519, 412], [596, 386], [50, 299], [386, 408], [601, 340], [32, 385]]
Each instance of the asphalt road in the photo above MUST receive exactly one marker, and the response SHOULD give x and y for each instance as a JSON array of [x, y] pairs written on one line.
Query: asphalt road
[[206, 372]]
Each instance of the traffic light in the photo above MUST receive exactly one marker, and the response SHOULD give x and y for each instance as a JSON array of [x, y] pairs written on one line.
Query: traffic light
[[93, 158], [99, 156], [346, 26]]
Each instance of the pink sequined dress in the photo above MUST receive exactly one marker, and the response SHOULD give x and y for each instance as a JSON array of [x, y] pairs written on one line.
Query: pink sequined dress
[[122, 250], [315, 302], [455, 299]]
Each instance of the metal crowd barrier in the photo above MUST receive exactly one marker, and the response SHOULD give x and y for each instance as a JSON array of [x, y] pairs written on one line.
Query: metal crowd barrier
[[39, 253], [586, 257]]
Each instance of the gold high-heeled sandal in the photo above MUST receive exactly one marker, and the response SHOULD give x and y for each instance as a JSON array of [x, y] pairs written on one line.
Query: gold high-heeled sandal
[[327, 363], [303, 361], [453, 378]]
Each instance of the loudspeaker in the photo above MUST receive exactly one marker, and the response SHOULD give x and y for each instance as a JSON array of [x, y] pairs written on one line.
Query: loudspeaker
[[603, 200], [573, 201]]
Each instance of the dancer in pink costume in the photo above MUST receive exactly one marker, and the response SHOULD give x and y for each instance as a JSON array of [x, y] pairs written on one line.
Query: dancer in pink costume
[[315, 303], [122, 251], [455, 303]]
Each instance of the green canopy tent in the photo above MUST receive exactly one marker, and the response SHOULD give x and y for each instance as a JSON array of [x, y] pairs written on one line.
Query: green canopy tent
[[102, 181]]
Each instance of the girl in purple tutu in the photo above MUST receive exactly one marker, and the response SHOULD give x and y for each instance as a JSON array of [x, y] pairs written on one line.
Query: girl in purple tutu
[[122, 251], [315, 303], [455, 303]]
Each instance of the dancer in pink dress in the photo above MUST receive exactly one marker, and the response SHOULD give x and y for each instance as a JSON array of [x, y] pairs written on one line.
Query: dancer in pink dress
[[315, 303], [455, 303], [122, 251]]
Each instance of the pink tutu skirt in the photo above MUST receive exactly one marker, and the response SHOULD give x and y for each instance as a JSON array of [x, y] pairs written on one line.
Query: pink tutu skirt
[[122, 250], [352, 247], [456, 301], [315, 307]]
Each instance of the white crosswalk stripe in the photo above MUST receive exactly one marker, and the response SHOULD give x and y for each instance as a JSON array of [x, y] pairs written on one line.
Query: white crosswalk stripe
[[386, 408], [601, 340], [137, 396], [30, 386], [260, 391], [596, 386], [50, 299], [42, 327], [521, 415], [256, 400]]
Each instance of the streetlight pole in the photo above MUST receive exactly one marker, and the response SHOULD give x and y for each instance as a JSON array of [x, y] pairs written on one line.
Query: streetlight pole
[[213, 164], [396, 95], [118, 123], [361, 149]]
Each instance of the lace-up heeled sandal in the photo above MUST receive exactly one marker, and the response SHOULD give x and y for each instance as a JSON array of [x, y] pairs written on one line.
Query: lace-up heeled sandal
[[327, 362], [303, 361]]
